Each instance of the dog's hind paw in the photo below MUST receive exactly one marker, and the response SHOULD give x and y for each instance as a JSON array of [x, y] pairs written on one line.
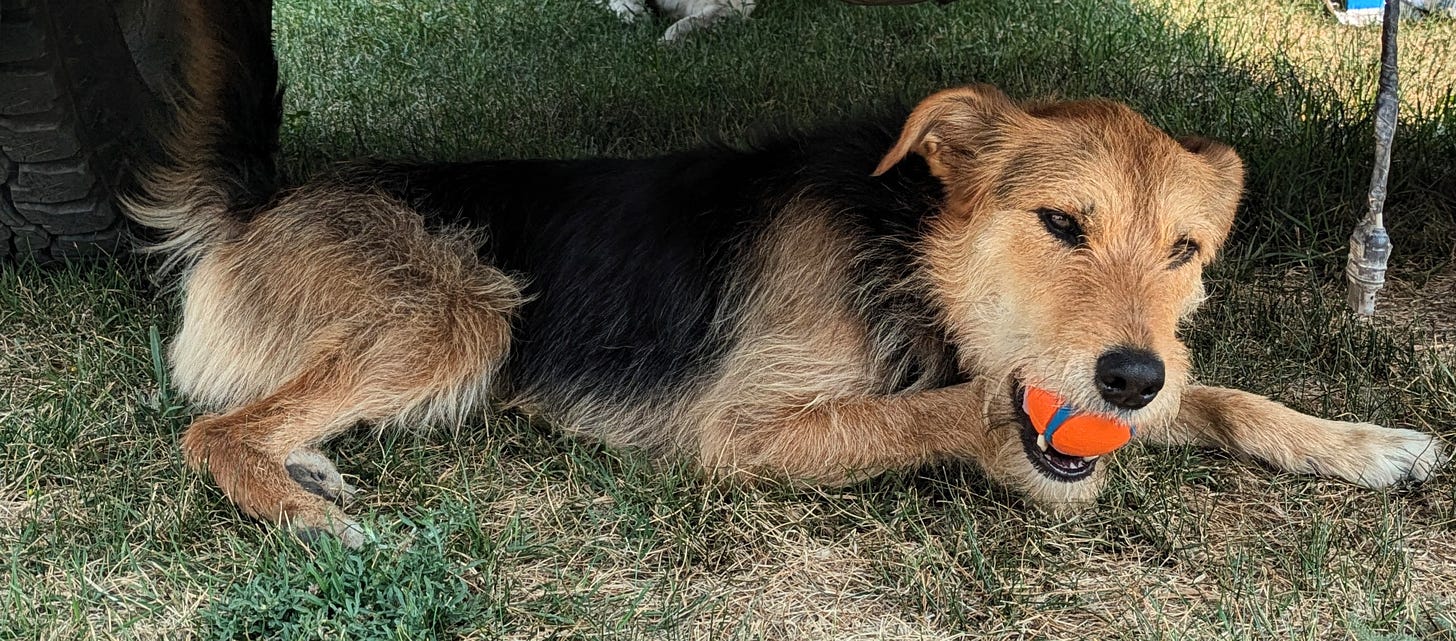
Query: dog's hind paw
[[1397, 456], [315, 473], [348, 531]]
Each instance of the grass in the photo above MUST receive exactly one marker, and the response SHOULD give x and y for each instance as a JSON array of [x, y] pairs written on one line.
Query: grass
[[511, 530]]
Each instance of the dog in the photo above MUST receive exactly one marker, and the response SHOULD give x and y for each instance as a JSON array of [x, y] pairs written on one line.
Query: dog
[[819, 308], [693, 15], [687, 15]]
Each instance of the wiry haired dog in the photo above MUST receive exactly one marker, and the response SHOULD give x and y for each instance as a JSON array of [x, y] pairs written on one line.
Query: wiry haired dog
[[822, 307]]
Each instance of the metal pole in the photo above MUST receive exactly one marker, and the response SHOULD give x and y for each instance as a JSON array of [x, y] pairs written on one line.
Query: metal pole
[[1370, 245]]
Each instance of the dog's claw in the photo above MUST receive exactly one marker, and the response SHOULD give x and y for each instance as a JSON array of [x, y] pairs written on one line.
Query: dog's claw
[[1423, 454]]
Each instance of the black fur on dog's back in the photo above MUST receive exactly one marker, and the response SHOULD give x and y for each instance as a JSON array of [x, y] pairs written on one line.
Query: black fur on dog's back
[[630, 261]]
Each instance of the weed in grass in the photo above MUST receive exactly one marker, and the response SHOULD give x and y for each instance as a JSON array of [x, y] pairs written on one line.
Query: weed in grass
[[413, 589]]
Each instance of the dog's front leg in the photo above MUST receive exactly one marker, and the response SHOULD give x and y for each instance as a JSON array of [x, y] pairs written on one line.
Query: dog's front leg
[[833, 441], [1255, 427]]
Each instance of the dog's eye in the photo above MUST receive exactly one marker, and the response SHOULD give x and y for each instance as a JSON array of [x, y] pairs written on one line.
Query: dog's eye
[[1063, 226], [1183, 251]]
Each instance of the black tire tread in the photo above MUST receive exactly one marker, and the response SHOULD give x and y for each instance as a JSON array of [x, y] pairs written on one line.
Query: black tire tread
[[55, 190]]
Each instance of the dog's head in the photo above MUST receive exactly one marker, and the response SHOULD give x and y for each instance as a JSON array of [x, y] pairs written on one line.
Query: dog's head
[[1070, 247]]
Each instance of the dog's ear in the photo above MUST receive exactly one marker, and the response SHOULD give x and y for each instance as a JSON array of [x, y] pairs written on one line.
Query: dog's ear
[[1228, 186], [947, 126], [1225, 162], [1222, 157]]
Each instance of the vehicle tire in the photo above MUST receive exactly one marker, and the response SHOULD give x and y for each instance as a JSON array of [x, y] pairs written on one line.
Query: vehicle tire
[[76, 116]]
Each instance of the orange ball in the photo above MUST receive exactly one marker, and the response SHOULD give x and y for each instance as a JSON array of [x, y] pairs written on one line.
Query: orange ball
[[1071, 433]]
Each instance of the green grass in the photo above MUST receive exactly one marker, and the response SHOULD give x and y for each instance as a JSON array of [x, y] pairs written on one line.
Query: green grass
[[512, 530]]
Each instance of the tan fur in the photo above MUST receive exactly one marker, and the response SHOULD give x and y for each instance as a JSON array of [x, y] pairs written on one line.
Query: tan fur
[[791, 399], [1255, 427], [308, 325], [799, 349]]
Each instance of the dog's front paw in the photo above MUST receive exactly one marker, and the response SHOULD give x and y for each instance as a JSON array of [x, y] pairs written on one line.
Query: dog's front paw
[[1255, 427], [1383, 457]]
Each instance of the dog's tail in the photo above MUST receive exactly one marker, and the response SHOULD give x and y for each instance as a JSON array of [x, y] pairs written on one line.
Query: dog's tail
[[219, 167]]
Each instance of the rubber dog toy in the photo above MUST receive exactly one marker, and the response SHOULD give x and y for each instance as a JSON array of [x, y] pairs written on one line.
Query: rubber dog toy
[[1071, 433]]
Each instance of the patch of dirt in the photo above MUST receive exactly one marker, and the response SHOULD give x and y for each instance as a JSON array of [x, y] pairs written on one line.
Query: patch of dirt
[[1428, 305], [782, 582]]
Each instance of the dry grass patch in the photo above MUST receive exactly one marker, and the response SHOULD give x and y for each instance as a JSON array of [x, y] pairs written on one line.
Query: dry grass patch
[[1304, 35]]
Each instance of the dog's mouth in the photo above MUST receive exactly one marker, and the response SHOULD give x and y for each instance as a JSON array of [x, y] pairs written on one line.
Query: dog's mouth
[[1051, 463]]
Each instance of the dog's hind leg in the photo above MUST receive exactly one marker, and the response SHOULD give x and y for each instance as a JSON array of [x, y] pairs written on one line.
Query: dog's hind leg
[[1252, 426], [248, 450], [420, 368]]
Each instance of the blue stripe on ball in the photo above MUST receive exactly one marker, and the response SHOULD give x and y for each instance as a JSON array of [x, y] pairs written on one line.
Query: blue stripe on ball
[[1063, 413]]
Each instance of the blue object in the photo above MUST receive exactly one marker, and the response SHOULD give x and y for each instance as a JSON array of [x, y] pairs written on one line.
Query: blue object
[[1357, 13], [1063, 413]]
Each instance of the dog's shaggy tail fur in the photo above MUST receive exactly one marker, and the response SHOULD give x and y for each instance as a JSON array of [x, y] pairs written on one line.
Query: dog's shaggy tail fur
[[220, 164]]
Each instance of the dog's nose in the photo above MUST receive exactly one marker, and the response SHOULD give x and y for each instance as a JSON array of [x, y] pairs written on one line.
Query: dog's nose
[[1129, 378]]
